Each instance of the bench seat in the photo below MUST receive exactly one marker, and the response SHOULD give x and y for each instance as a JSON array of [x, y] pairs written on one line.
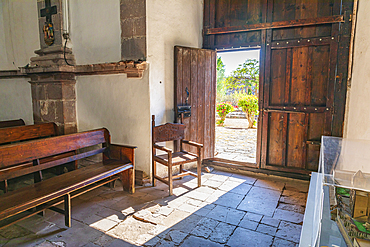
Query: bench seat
[[117, 162], [36, 194]]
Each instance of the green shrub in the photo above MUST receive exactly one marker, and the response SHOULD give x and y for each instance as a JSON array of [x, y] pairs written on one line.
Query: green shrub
[[249, 105]]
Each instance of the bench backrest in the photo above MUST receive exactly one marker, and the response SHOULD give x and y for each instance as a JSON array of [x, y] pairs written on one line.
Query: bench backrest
[[27, 132], [23, 158], [11, 123]]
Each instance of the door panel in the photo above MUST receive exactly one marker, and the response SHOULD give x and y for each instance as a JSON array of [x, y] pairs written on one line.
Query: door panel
[[195, 70], [297, 106]]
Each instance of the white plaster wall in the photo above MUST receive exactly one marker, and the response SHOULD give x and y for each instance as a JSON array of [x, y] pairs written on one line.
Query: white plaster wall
[[169, 23], [357, 121], [122, 106], [95, 31], [15, 100], [18, 33]]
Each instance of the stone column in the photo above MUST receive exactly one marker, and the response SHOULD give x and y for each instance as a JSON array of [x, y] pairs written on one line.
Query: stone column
[[52, 80]]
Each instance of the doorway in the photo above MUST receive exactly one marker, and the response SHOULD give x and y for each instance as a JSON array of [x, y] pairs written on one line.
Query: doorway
[[237, 105]]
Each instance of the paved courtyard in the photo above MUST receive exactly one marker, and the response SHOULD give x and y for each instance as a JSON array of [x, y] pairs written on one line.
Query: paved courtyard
[[235, 141], [227, 210]]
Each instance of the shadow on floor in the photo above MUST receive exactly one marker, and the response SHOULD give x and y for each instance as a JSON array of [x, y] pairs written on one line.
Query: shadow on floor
[[227, 210]]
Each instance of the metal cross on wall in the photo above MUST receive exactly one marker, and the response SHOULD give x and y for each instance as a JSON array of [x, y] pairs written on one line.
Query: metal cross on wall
[[48, 11]]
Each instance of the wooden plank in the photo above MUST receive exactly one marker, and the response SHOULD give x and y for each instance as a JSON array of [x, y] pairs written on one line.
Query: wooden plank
[[302, 42], [342, 70], [254, 16], [289, 169], [201, 100], [324, 9], [11, 123], [296, 132], [316, 126], [222, 19], [299, 76], [194, 96], [320, 73], [297, 109], [275, 25], [27, 132], [283, 11], [288, 77], [213, 103], [230, 166], [206, 17], [306, 9], [309, 87], [10, 173], [207, 98], [278, 77], [178, 80], [276, 146], [30, 150], [186, 85]]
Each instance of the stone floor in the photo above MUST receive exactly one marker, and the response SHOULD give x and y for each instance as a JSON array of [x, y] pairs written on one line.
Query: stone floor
[[227, 210], [234, 141]]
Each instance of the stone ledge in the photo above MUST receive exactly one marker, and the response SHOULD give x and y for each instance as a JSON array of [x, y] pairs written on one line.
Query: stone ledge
[[6, 74], [131, 68]]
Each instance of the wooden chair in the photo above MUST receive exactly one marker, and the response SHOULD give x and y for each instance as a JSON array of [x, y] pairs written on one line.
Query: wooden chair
[[172, 132]]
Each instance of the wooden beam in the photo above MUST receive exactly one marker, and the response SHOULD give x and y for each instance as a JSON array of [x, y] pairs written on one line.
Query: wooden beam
[[276, 24]]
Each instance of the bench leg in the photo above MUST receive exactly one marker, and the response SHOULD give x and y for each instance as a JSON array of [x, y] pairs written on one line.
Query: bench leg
[[128, 180], [4, 186], [67, 210]]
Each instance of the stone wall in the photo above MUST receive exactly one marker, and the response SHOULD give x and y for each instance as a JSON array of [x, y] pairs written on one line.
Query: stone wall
[[133, 29]]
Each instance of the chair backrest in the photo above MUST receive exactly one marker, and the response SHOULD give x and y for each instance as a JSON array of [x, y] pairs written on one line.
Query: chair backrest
[[167, 132]]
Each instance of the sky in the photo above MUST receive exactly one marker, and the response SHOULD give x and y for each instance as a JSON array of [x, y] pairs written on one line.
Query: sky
[[232, 60]]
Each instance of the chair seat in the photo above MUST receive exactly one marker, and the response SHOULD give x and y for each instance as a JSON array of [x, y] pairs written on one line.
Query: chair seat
[[178, 158]]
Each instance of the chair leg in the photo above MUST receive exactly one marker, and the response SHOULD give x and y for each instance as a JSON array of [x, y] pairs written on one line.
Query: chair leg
[[199, 169], [153, 172], [170, 182]]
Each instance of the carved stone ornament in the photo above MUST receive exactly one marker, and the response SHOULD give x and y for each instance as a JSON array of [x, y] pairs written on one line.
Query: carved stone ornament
[[48, 33]]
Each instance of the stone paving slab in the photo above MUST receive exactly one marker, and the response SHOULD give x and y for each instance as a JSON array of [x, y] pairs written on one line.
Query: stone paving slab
[[266, 229], [289, 231], [228, 215], [288, 216], [248, 238], [205, 227], [278, 242], [261, 201], [222, 233], [194, 241]]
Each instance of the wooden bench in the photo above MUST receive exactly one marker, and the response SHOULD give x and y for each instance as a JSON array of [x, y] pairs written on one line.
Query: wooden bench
[[29, 132], [11, 123], [117, 162]]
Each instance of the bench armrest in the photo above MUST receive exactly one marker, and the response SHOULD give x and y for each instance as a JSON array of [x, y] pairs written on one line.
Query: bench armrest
[[168, 150], [121, 152], [195, 144]]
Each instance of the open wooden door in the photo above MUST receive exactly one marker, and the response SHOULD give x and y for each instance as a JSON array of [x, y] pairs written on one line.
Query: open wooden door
[[303, 72], [195, 85]]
